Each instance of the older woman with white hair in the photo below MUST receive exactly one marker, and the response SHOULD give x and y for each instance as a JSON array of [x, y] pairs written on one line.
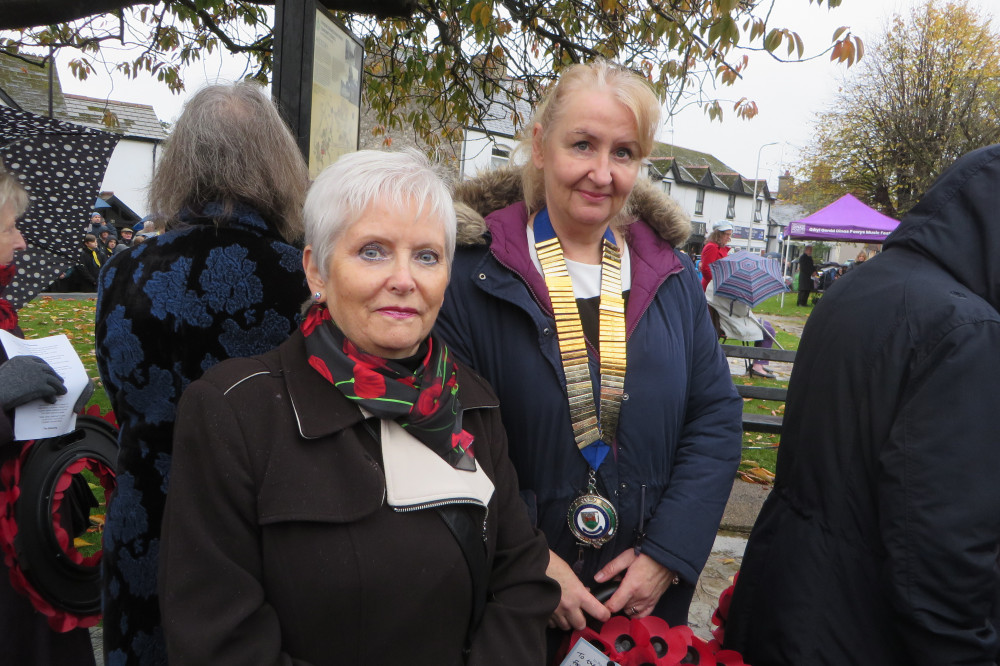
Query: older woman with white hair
[[26, 636], [347, 498]]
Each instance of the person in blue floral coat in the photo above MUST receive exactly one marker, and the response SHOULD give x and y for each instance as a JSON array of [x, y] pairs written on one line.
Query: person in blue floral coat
[[225, 280]]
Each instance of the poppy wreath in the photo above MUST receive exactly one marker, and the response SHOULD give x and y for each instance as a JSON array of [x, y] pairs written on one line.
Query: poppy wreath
[[43, 504], [650, 641], [721, 613]]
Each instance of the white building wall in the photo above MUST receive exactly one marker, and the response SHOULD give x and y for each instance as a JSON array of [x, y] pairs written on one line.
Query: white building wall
[[477, 152], [745, 209], [715, 208], [130, 171]]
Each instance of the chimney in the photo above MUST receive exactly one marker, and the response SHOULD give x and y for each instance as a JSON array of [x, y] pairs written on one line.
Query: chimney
[[785, 185]]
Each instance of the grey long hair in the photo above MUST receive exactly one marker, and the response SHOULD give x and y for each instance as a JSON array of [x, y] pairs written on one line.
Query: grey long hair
[[230, 145]]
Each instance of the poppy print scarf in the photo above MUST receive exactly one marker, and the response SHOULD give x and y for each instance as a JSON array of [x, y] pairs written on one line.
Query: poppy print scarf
[[8, 315], [423, 401]]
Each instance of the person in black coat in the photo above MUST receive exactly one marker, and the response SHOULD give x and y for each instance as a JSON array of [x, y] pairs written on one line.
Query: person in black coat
[[806, 268], [89, 268], [879, 542]]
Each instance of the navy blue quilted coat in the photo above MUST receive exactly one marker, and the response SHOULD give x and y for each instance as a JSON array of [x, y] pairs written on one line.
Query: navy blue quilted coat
[[167, 311], [678, 440]]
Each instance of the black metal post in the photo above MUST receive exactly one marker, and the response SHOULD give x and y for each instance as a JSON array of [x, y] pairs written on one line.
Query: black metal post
[[295, 23]]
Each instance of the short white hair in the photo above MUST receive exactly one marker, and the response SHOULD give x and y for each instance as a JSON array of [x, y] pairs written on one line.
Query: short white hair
[[356, 181], [12, 192]]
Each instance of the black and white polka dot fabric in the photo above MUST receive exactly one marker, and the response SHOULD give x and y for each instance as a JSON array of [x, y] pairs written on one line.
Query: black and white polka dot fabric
[[62, 166]]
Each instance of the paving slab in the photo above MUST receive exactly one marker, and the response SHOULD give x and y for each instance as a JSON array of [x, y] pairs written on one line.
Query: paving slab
[[744, 504]]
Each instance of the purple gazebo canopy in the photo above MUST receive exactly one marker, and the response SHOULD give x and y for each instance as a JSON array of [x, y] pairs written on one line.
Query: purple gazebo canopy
[[847, 219]]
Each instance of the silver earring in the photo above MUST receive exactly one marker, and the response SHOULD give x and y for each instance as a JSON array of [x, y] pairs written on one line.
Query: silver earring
[[317, 296]]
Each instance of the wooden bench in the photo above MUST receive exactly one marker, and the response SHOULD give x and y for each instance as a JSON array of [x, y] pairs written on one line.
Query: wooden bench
[[766, 423]]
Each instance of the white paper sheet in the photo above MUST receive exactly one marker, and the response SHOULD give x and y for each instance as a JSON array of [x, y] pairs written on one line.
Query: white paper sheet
[[585, 654], [39, 419]]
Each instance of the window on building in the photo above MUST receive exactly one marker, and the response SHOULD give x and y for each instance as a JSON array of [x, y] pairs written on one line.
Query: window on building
[[699, 203], [500, 157], [731, 207], [756, 212], [697, 228], [666, 186]]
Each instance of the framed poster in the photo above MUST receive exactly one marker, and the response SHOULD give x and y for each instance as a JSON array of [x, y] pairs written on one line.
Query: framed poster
[[335, 114], [317, 81]]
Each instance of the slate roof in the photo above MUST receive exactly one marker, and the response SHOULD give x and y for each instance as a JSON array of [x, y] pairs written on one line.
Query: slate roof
[[694, 167], [26, 84], [133, 120], [500, 118], [689, 158]]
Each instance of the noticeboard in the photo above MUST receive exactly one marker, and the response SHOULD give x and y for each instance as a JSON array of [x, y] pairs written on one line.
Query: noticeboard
[[335, 114], [317, 81]]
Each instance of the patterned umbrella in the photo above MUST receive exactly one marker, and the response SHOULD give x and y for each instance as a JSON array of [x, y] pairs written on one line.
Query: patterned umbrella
[[62, 166], [747, 277]]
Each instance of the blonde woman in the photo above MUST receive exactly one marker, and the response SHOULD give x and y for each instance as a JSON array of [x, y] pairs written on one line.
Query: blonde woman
[[572, 299]]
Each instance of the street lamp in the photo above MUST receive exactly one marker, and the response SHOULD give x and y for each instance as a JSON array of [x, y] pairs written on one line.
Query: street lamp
[[753, 205]]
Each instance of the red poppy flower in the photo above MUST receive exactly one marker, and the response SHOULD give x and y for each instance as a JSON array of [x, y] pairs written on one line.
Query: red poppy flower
[[721, 613], [463, 441], [317, 315], [362, 358], [428, 401], [650, 641], [368, 383], [320, 366]]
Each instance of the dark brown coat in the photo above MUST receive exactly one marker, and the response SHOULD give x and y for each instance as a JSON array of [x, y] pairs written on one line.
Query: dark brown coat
[[279, 548]]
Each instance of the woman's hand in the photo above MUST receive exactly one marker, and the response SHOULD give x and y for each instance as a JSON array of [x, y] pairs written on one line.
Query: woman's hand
[[645, 582], [576, 599], [27, 378]]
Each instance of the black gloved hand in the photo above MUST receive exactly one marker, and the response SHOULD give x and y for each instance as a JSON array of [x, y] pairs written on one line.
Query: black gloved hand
[[27, 378]]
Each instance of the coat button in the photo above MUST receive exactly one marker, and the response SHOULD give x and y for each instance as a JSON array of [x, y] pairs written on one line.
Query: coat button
[[624, 486], [624, 396], [546, 331], [482, 276]]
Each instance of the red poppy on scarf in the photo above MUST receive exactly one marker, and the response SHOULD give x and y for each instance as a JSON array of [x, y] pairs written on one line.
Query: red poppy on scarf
[[368, 383], [314, 318], [428, 402], [462, 441], [320, 367], [424, 400], [8, 315]]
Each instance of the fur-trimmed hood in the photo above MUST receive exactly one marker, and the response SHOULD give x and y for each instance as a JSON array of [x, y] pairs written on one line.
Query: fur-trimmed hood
[[477, 198]]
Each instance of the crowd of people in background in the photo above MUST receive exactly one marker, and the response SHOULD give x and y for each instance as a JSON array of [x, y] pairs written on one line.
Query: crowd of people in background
[[100, 241], [732, 319]]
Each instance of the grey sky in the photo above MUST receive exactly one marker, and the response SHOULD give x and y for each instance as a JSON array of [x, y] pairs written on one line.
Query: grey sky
[[787, 94]]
